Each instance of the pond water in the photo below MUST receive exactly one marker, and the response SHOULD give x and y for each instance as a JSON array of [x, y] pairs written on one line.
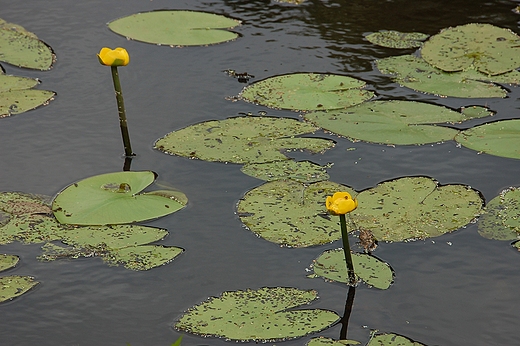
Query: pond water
[[458, 289]]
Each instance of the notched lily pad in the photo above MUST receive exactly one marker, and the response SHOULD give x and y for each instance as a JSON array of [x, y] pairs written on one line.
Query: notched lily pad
[[397, 39], [302, 171], [113, 198], [500, 138], [290, 213], [17, 95], [263, 315], [14, 286], [176, 28], [501, 219], [242, 140], [307, 91]]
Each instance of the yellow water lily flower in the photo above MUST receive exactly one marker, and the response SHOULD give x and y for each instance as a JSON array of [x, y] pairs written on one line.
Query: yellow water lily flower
[[341, 203], [113, 57]]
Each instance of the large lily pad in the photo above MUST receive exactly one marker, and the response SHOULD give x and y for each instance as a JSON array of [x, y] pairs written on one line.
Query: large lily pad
[[397, 39], [501, 220], [307, 91], [374, 272], [415, 208], [242, 140], [395, 122], [263, 315], [417, 74], [113, 198], [16, 95], [176, 28], [391, 339], [499, 138], [302, 171], [23, 49], [8, 261], [14, 286], [490, 49], [290, 213]]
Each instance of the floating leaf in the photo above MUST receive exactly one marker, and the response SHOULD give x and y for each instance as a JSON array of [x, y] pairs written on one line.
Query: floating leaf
[[396, 39], [14, 286], [242, 140], [16, 95], [19, 203], [498, 138], [8, 261], [112, 198], [23, 49], [307, 91], [290, 213], [415, 208], [143, 257], [323, 341], [393, 122], [391, 339], [176, 28], [261, 315], [302, 171], [501, 221], [417, 74], [490, 49], [374, 272]]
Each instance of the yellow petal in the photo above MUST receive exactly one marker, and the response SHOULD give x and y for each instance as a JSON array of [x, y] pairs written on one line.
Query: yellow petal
[[113, 57]]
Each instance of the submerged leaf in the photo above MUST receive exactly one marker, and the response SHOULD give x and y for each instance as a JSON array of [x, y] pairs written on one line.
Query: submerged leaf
[[396, 39], [176, 28], [302, 171], [242, 140], [261, 315], [14, 286], [307, 91], [501, 220], [8, 261]]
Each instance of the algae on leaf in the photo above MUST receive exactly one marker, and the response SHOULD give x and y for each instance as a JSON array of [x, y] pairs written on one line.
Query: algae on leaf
[[396, 39], [501, 219]]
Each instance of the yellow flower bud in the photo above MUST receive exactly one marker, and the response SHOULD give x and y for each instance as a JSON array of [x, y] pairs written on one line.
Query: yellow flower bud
[[341, 203], [113, 57]]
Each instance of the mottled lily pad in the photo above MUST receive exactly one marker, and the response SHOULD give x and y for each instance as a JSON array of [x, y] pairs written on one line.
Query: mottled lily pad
[[17, 95], [8, 261], [415, 208], [290, 213], [307, 91], [501, 220], [397, 39], [143, 257], [176, 28], [242, 140], [490, 49], [323, 341], [374, 272], [415, 73], [499, 138], [113, 198], [263, 315], [23, 49], [302, 171], [14, 286], [395, 122], [391, 339]]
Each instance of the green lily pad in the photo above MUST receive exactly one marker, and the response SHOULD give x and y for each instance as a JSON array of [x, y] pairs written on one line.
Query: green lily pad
[[263, 315], [176, 28], [242, 140], [23, 49], [415, 208], [498, 138], [501, 220], [374, 272], [143, 257], [14, 286], [323, 341], [16, 95], [394, 122], [8, 261], [391, 339], [415, 73], [396, 39], [490, 49], [307, 91], [290, 213], [302, 171], [112, 198]]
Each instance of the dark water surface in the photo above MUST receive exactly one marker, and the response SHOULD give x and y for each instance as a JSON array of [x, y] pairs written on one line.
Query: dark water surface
[[459, 289]]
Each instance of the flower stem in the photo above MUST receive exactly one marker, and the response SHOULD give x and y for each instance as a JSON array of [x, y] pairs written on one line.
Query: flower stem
[[346, 249], [122, 114]]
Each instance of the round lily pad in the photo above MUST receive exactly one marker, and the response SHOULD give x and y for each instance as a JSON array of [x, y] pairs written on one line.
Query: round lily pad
[[307, 91], [176, 27], [14, 286], [263, 315], [501, 220], [302, 171], [397, 39]]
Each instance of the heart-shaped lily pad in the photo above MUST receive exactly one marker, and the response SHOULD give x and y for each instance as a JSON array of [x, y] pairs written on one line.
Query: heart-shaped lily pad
[[302, 171], [17, 95], [176, 28], [307, 91], [112, 198], [14, 286], [8, 261], [490, 49], [374, 272], [498, 138], [395, 122], [397, 39], [501, 220], [263, 315], [290, 213], [242, 140]]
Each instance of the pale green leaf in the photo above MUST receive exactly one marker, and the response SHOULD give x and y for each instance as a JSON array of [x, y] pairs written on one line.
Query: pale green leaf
[[8, 261], [501, 220], [302, 171], [323, 341], [142, 257], [391, 339], [14, 286]]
